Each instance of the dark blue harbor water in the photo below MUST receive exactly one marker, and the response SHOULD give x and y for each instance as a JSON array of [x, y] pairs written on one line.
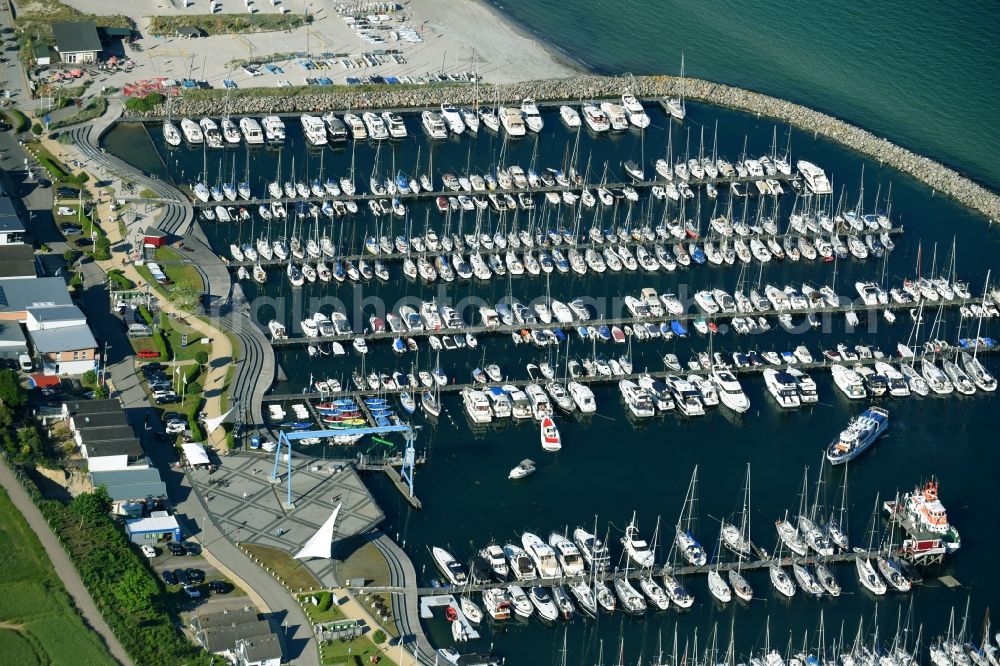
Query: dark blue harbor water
[[610, 467]]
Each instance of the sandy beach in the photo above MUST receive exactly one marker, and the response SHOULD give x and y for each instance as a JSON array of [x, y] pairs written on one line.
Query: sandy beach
[[457, 36]]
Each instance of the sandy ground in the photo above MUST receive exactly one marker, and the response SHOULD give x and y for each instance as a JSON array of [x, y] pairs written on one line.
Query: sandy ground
[[458, 36]]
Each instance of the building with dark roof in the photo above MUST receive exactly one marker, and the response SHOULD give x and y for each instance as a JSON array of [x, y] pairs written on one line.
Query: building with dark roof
[[81, 422], [77, 43], [238, 635], [74, 407], [18, 261]]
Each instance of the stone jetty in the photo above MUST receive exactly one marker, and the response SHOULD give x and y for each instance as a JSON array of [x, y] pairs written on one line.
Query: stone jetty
[[935, 175]]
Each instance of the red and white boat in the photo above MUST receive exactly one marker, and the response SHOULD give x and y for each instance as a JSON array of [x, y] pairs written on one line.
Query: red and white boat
[[551, 441]]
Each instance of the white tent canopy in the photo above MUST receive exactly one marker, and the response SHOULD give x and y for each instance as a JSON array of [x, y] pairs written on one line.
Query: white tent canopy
[[195, 453], [321, 543]]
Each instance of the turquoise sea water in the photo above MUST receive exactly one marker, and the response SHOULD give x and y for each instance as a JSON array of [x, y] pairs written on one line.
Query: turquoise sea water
[[924, 74]]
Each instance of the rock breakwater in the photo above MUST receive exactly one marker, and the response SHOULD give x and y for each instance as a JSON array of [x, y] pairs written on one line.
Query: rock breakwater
[[940, 178]]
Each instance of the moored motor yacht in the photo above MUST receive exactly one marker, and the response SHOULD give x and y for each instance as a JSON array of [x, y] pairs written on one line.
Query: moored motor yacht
[[634, 111], [452, 569], [568, 554], [542, 555]]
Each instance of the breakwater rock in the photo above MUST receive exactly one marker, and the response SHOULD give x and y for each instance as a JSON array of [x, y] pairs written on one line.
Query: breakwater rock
[[940, 178]]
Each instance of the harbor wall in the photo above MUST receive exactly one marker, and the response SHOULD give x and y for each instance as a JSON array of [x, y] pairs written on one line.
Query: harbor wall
[[940, 178]]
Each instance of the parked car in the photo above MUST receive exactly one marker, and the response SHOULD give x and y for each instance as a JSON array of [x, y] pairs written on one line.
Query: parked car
[[176, 548], [148, 550], [71, 230], [220, 586], [182, 576], [169, 578], [196, 576], [68, 192], [192, 591], [193, 547]]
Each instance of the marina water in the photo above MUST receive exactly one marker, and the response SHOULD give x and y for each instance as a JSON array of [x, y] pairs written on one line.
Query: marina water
[[610, 467]]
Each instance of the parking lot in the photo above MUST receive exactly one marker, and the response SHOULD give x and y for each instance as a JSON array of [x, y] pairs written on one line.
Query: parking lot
[[185, 573]]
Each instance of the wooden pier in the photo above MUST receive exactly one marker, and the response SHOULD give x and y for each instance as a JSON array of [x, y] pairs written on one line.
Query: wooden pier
[[590, 380], [635, 574], [364, 197], [581, 246], [612, 321]]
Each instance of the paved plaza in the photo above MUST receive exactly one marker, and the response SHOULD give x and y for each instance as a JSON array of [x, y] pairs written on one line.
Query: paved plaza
[[249, 508]]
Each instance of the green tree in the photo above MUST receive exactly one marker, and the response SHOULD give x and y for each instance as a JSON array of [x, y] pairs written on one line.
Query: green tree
[[30, 443], [92, 506], [185, 297], [378, 637], [201, 356], [100, 392], [36, 129], [11, 393], [136, 589], [69, 256], [102, 248], [89, 378]]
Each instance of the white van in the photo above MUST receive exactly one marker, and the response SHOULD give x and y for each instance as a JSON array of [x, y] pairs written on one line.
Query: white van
[[139, 331], [25, 362]]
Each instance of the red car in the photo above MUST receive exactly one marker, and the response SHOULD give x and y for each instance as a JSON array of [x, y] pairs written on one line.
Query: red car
[[149, 353]]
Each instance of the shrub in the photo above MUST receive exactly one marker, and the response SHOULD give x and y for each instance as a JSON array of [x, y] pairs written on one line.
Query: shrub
[[89, 378], [36, 129], [117, 277], [378, 637], [144, 104], [325, 600], [144, 314], [69, 256], [17, 120], [201, 356], [102, 248]]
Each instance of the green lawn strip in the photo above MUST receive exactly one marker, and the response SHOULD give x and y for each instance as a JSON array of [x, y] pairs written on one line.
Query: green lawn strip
[[178, 268], [32, 596], [343, 652], [224, 24], [315, 614], [76, 218], [292, 572]]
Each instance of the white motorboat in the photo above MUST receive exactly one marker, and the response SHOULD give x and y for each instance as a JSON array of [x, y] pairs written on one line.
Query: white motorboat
[[783, 388], [434, 124], [542, 600], [356, 126], [686, 396], [394, 124], [814, 178], [569, 115], [636, 399], [453, 118], [583, 397], [519, 600], [192, 131], [314, 129], [730, 390], [512, 121], [595, 119], [634, 111], [542, 555], [497, 604], [452, 569], [377, 130], [568, 554], [521, 564], [615, 115], [592, 549], [494, 557], [850, 383], [251, 130], [532, 118], [549, 435], [477, 406], [273, 129]]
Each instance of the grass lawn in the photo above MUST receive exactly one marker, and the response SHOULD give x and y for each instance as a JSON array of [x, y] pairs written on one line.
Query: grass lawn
[[335, 652], [367, 562], [317, 616], [178, 268], [40, 623], [291, 571]]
